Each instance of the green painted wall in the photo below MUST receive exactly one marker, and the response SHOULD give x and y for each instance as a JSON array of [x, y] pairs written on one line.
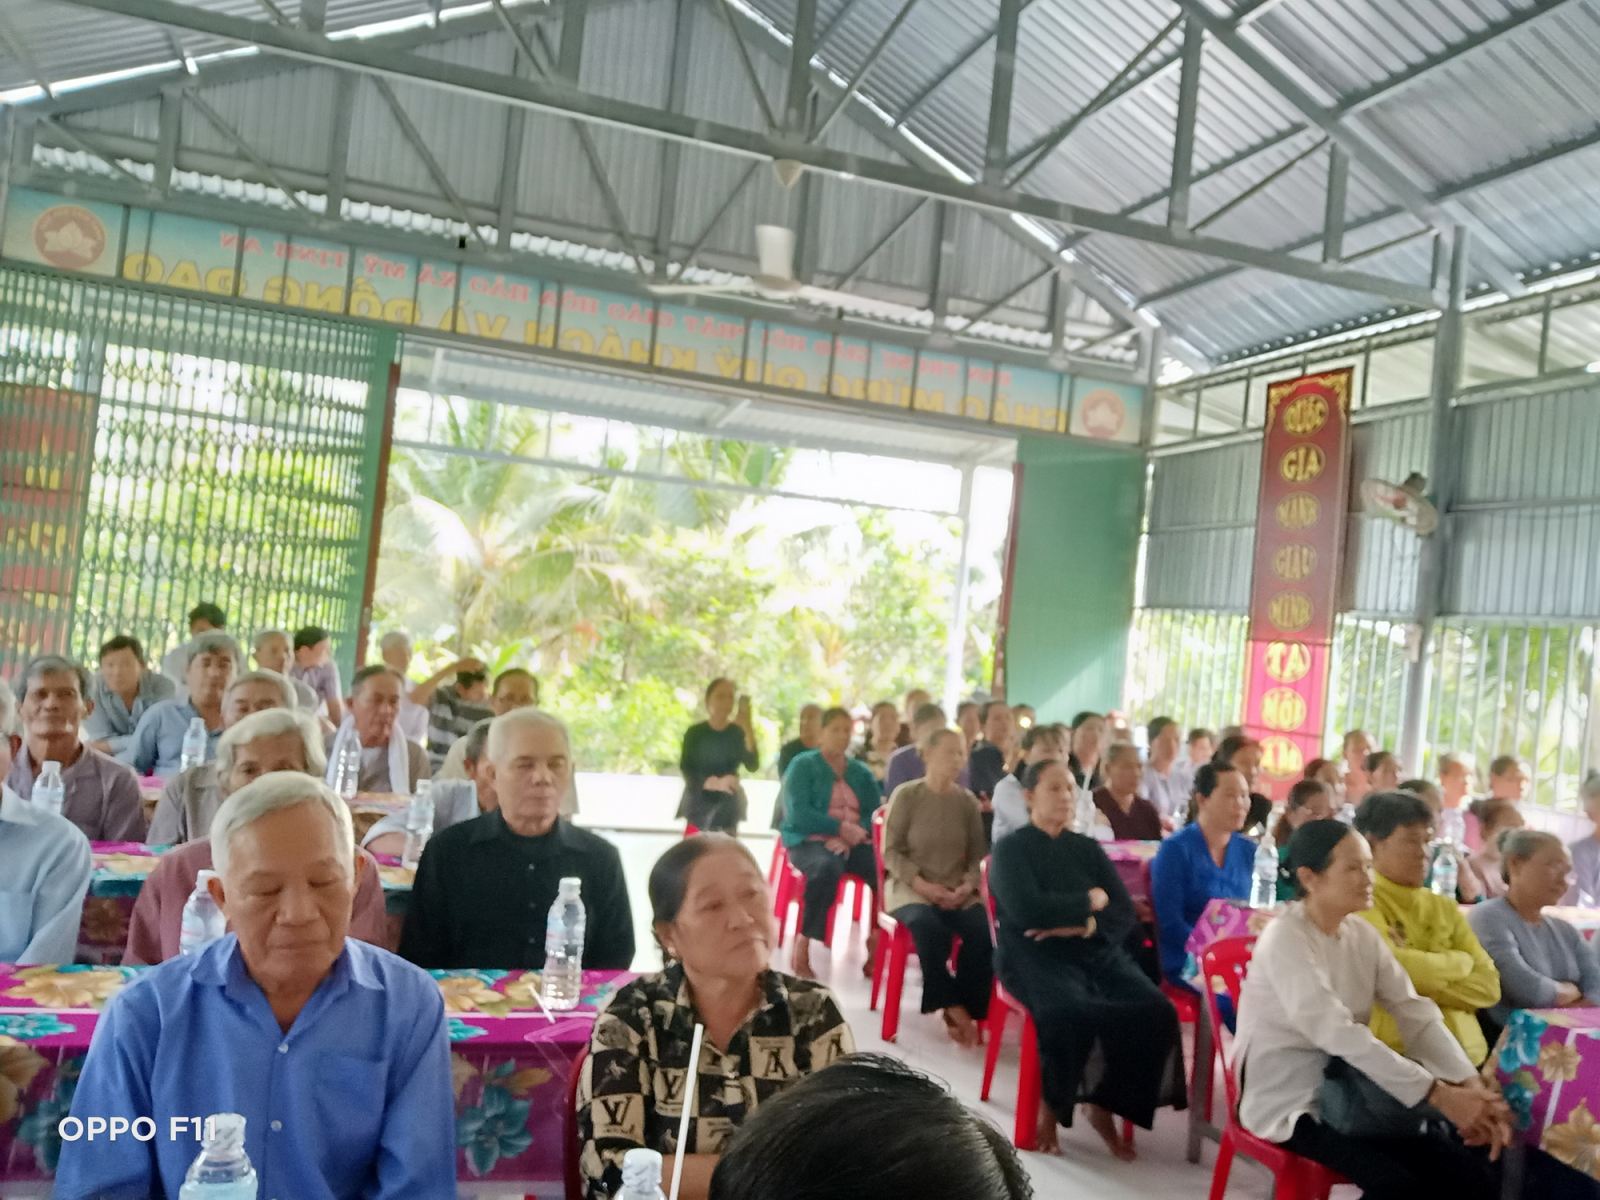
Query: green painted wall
[[1072, 588]]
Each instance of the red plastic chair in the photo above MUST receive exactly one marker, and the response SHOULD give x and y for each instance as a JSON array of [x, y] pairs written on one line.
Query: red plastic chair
[[895, 948], [788, 885], [572, 1177], [1223, 967], [1025, 1132]]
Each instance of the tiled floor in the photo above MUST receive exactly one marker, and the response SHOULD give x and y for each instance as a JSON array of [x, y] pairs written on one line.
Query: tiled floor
[[1084, 1170]]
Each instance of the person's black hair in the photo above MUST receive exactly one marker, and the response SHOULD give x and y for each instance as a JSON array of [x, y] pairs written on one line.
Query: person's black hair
[[309, 636], [1035, 734], [1199, 733], [1229, 746], [1382, 813], [983, 713], [1301, 794], [830, 715], [1086, 715], [370, 671], [516, 673], [1488, 810], [1157, 727], [1418, 787], [1312, 846], [212, 613], [669, 878], [1315, 765], [926, 713], [1035, 772], [477, 740], [51, 664], [716, 683], [924, 1142], [467, 679], [1209, 775], [123, 641], [1504, 765], [966, 704], [1375, 760]]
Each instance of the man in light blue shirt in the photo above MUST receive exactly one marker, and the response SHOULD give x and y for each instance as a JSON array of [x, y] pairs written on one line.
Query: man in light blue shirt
[[46, 863], [334, 1051], [120, 692], [157, 743], [1208, 859]]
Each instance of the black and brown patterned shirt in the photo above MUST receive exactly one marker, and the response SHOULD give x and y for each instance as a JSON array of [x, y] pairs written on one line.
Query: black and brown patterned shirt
[[631, 1092]]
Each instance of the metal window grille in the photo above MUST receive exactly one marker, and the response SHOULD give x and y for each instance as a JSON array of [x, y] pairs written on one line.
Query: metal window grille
[[216, 452]]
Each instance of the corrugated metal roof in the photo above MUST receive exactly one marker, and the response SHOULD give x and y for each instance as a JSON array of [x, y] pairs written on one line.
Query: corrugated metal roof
[[1527, 91]]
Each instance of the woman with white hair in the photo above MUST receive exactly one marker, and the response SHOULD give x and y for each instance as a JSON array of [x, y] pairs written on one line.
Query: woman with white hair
[[1586, 850], [277, 740]]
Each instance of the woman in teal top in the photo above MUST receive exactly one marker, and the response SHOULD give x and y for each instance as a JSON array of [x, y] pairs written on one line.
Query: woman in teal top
[[829, 799]]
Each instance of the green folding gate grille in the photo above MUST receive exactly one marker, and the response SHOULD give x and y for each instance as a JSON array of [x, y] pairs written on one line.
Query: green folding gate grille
[[157, 450]]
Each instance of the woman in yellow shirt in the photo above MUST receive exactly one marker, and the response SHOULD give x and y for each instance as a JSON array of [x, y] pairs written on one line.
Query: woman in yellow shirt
[[1428, 933]]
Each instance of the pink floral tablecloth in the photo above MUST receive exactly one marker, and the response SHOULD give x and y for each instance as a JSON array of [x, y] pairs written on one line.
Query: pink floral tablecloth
[[1220, 919], [509, 1066], [120, 869], [1548, 1065], [1132, 861]]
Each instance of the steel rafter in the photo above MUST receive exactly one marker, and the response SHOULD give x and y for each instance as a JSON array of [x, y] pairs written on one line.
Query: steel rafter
[[1194, 40], [867, 63], [566, 101], [998, 140], [1384, 164], [429, 163]]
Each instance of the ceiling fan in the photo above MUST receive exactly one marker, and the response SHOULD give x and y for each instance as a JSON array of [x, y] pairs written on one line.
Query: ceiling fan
[[775, 278]]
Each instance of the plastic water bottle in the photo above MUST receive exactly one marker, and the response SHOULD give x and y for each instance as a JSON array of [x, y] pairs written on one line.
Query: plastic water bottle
[[194, 745], [1264, 877], [223, 1170], [1446, 870], [203, 922], [349, 772], [49, 793], [641, 1176], [419, 826], [1453, 826], [1346, 814], [562, 983], [1084, 813]]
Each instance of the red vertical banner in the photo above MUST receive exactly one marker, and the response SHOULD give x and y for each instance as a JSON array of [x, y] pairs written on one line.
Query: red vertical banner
[[1305, 484], [46, 455]]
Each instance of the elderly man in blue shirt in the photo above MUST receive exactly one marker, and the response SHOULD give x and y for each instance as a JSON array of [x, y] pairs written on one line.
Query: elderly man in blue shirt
[[1206, 860], [46, 863], [333, 1050], [157, 743]]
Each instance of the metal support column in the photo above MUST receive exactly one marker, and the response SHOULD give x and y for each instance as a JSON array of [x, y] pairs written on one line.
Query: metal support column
[[1447, 355], [1194, 36], [956, 642], [998, 142]]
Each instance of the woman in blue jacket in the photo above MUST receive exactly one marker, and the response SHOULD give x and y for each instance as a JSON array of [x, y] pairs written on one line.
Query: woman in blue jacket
[[829, 799]]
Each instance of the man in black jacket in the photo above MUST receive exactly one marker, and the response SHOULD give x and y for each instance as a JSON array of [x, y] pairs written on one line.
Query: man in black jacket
[[484, 887]]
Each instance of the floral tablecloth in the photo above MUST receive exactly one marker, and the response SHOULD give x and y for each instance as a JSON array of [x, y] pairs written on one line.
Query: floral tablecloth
[[1548, 1065], [120, 869], [1132, 861], [1221, 919], [509, 1065]]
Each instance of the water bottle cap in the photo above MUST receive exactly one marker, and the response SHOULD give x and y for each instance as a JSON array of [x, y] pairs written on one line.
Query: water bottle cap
[[224, 1129], [50, 764], [641, 1171], [571, 886], [201, 878]]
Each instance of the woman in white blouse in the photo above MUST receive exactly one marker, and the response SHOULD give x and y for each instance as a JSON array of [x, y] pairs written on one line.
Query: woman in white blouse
[[1315, 976]]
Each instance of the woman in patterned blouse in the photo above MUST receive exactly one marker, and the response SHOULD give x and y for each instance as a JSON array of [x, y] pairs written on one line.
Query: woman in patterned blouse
[[763, 1030]]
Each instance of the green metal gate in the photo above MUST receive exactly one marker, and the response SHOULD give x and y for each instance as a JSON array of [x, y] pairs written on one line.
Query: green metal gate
[[158, 450]]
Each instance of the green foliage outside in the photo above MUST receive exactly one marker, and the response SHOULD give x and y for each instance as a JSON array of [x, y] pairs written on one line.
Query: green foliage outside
[[626, 596]]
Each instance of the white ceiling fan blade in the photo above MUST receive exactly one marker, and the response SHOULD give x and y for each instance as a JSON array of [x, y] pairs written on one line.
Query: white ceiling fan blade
[[775, 251]]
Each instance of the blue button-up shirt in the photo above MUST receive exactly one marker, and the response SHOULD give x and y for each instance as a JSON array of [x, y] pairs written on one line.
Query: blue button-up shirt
[[354, 1101], [45, 866], [112, 720], [157, 743], [1183, 878]]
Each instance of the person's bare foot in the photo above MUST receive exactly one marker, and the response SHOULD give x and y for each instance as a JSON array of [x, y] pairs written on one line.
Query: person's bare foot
[[872, 954], [958, 1023], [1103, 1123], [1049, 1134], [801, 964]]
